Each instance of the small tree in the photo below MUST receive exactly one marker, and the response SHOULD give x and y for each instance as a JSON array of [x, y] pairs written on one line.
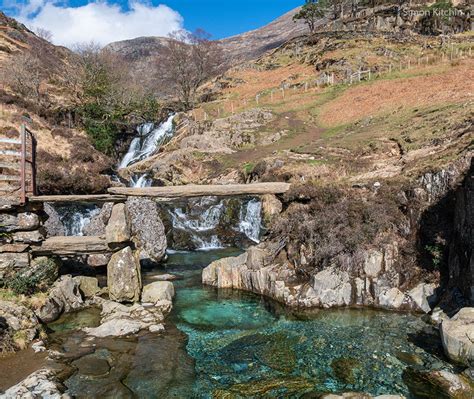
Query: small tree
[[23, 74], [44, 34], [189, 60], [311, 12]]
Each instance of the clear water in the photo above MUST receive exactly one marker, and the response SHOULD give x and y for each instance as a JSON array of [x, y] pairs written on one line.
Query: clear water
[[223, 343]]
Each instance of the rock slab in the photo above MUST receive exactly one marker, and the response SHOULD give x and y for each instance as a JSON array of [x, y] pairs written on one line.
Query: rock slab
[[124, 276]]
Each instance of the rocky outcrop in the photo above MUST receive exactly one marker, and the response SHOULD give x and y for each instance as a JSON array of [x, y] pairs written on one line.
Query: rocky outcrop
[[41, 384], [159, 293], [124, 276], [18, 326], [53, 225], [461, 249], [118, 227], [266, 271], [97, 225], [437, 384], [88, 286], [119, 320], [148, 232], [457, 335], [271, 207], [64, 296]]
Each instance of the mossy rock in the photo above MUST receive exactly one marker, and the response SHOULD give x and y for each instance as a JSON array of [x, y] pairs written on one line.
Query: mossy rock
[[273, 350], [271, 388], [343, 369]]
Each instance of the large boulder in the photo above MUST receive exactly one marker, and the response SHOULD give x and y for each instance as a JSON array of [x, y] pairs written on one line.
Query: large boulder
[[457, 335], [437, 384], [97, 225], [53, 225], [158, 291], [147, 228], [19, 222], [12, 263], [18, 326], [64, 296], [124, 277], [88, 286], [118, 228]]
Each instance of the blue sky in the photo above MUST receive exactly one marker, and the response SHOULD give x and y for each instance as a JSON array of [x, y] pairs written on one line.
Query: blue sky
[[72, 21]]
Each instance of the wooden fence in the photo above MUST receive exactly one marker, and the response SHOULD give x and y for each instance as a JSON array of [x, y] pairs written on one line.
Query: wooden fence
[[222, 108], [18, 164]]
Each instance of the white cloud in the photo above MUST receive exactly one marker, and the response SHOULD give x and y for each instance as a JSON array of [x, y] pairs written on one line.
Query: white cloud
[[99, 22]]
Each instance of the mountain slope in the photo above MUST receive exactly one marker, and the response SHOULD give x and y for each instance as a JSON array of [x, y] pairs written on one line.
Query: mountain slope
[[67, 161]]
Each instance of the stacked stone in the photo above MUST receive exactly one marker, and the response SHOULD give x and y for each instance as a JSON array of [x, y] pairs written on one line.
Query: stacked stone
[[20, 231]]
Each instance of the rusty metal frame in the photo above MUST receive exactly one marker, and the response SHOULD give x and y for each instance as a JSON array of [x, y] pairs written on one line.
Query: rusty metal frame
[[25, 160]]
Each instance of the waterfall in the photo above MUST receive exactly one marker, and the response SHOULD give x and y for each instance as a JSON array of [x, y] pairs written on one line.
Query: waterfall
[[211, 222], [148, 141], [251, 219], [140, 181], [201, 224], [75, 218]]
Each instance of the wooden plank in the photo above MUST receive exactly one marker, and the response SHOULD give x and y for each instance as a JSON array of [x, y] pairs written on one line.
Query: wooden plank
[[78, 198], [10, 153], [72, 245], [192, 190], [9, 141], [9, 178], [9, 165]]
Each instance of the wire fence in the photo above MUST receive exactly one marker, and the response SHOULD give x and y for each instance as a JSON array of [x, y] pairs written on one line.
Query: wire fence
[[227, 107]]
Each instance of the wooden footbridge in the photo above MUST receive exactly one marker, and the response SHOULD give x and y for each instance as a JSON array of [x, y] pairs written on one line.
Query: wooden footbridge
[[18, 187], [18, 180]]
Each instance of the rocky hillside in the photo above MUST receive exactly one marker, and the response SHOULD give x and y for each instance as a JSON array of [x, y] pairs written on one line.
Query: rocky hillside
[[251, 45], [143, 53], [40, 88]]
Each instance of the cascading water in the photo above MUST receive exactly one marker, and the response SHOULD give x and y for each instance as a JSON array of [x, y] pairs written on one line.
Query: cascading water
[[251, 219], [75, 218], [207, 222], [139, 181], [148, 141], [198, 226]]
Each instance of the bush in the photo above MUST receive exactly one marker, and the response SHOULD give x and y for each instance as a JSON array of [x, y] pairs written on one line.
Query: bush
[[331, 222], [39, 277]]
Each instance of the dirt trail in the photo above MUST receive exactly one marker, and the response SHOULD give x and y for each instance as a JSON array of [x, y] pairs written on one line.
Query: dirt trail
[[302, 134]]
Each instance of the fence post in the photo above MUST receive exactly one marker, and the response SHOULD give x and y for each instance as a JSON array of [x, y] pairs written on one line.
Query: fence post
[[257, 98], [306, 87], [370, 74], [283, 92]]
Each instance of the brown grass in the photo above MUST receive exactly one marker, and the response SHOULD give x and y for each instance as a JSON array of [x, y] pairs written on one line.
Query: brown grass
[[455, 84]]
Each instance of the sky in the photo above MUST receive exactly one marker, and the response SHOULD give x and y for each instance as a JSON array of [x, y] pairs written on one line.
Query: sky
[[101, 21]]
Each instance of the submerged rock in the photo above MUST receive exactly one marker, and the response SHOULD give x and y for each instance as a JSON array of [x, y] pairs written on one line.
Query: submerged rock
[[457, 335], [124, 276], [118, 320], [148, 232], [437, 384]]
